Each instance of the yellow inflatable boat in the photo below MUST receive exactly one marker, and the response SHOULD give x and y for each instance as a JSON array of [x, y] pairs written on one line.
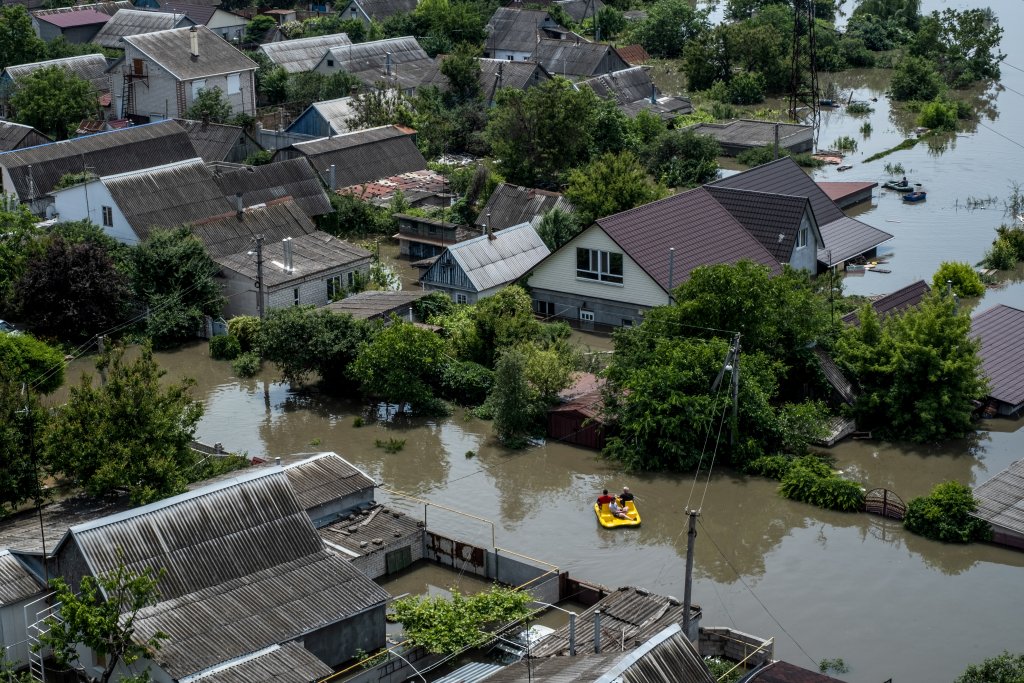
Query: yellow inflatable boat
[[609, 521]]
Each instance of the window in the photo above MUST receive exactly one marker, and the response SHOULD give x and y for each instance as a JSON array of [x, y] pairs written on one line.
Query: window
[[594, 264], [545, 308], [802, 237], [108, 217], [234, 84], [351, 278], [511, 57], [330, 62], [295, 293], [461, 299], [627, 322], [198, 85], [334, 289], [138, 67], [586, 316]]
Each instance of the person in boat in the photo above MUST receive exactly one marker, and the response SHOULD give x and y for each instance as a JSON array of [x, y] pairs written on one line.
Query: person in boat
[[605, 499], [903, 183], [625, 496], [618, 510]]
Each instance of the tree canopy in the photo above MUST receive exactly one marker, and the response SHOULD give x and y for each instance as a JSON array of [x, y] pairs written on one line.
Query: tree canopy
[[18, 41], [210, 105], [1003, 668], [54, 100], [302, 341], [23, 358], [401, 365], [22, 420], [609, 184]]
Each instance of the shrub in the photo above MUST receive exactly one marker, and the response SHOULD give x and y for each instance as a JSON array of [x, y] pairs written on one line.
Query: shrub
[[391, 445], [246, 329], [246, 364], [846, 144], [718, 92], [866, 129], [858, 108], [938, 115], [811, 480], [836, 493], [770, 466], [1013, 237], [1001, 255], [945, 515], [225, 347], [915, 79], [965, 280], [466, 383], [747, 87]]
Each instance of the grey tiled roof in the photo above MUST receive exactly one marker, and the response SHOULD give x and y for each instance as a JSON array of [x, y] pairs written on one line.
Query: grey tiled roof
[[746, 133], [1001, 331], [92, 68], [773, 219], [13, 135], [698, 227], [293, 178], [511, 205], [575, 57], [131, 22], [302, 54], [16, 583], [666, 108], [171, 50], [896, 302], [368, 62], [116, 151], [312, 253], [365, 155], [1001, 498], [623, 86], [21, 531], [846, 238], [373, 304], [230, 233], [496, 74], [288, 663], [517, 30], [200, 14], [212, 141], [784, 176], [326, 476]]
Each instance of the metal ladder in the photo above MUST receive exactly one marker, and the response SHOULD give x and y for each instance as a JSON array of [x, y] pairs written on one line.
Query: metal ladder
[[36, 618]]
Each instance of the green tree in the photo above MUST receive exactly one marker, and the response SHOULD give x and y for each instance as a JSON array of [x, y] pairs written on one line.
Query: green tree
[[18, 41], [23, 358], [945, 515], [22, 420], [706, 59], [172, 275], [1003, 668], [558, 227], [100, 616], [462, 71], [669, 25], [503, 321], [448, 625], [380, 105], [401, 365], [54, 100], [303, 341], [131, 432], [72, 290], [610, 184], [964, 44], [918, 373], [517, 407], [681, 158], [18, 239], [257, 27], [964, 279], [915, 79], [527, 131], [210, 105]]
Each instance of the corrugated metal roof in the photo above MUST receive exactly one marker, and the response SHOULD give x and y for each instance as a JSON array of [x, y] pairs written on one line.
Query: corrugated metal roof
[[312, 254], [212, 141], [335, 113], [92, 68], [21, 531], [16, 583], [409, 63], [171, 50], [773, 219], [835, 376], [288, 663], [302, 54], [784, 176], [325, 476], [846, 238], [13, 135], [131, 22], [373, 304], [666, 108], [494, 75], [231, 233], [511, 205], [365, 155], [83, 17], [516, 30], [200, 14], [492, 262], [107, 153], [382, 9], [293, 178], [371, 529], [473, 672], [1001, 498], [108, 8], [702, 232], [1001, 331], [634, 54], [623, 86], [784, 672], [896, 302], [575, 57]]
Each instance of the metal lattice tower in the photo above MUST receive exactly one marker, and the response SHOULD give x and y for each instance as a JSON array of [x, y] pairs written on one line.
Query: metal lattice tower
[[803, 84]]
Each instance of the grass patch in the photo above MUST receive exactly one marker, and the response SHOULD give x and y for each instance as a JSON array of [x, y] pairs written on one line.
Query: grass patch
[[391, 445], [906, 144]]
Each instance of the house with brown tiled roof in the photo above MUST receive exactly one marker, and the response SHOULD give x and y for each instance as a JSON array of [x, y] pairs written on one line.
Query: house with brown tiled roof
[[1000, 330], [894, 303], [625, 264]]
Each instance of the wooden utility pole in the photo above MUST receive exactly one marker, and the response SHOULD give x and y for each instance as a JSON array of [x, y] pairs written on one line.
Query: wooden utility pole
[[691, 541], [259, 276]]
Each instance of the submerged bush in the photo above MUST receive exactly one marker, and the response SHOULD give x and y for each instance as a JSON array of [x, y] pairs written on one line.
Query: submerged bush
[[964, 280], [811, 480], [246, 364], [945, 515], [225, 347]]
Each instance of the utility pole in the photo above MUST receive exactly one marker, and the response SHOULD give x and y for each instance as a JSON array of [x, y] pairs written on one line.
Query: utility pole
[[735, 389], [25, 389], [259, 276], [691, 541]]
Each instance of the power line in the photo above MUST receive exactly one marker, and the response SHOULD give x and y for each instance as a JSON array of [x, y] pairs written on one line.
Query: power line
[[1012, 66], [1008, 139]]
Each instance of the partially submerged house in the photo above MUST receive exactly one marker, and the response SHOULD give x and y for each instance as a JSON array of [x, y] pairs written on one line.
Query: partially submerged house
[[738, 136], [19, 136], [162, 73], [577, 418], [577, 59], [478, 268], [633, 91], [893, 304], [303, 54], [398, 63], [133, 22], [379, 305], [624, 264], [301, 270], [1001, 504], [513, 33], [32, 173], [847, 194], [511, 205], [379, 541], [1001, 332], [420, 237]]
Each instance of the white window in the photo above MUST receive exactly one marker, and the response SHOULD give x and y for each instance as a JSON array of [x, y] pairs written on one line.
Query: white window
[[586, 316], [461, 299], [198, 85], [295, 293], [108, 217], [234, 84], [802, 237], [594, 264]]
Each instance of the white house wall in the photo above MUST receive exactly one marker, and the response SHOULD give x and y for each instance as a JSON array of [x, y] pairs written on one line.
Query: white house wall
[[86, 202], [240, 290], [13, 633]]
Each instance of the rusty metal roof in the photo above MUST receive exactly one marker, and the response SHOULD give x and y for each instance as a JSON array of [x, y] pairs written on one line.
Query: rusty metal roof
[[634, 54], [890, 304], [288, 663], [302, 54], [1001, 331], [16, 583], [83, 17], [1001, 499], [325, 476], [370, 529]]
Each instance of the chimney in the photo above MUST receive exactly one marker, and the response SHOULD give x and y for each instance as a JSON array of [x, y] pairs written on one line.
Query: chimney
[[277, 461], [193, 37], [387, 64], [490, 232], [288, 265], [332, 177], [654, 94], [239, 209], [597, 631]]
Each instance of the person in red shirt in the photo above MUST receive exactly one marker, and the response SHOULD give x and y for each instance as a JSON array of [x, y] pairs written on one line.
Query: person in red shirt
[[604, 498]]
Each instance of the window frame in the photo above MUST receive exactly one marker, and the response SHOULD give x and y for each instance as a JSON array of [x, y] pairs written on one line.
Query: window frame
[[198, 85], [461, 298], [108, 216], [334, 287], [295, 294], [600, 266], [237, 83], [803, 236]]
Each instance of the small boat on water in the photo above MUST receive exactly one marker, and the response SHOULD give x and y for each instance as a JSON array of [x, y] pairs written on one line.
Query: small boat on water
[[915, 196], [895, 185], [609, 521]]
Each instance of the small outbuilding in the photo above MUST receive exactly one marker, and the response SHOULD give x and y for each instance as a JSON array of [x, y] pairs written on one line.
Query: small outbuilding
[[1001, 504], [379, 305], [894, 303], [578, 417], [743, 134], [1001, 332]]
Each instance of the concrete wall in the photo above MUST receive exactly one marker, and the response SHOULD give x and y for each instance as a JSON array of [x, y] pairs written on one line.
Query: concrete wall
[[86, 202], [734, 645], [13, 633], [606, 313], [241, 289], [374, 562], [339, 642], [395, 669]]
